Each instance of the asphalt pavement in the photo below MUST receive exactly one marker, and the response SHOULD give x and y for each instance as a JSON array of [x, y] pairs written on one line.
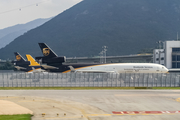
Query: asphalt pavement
[[98, 104]]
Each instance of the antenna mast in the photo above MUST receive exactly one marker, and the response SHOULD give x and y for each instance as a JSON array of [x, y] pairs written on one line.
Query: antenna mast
[[177, 36]]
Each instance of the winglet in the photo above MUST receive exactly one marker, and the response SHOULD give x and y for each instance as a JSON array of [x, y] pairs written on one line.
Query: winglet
[[72, 68], [32, 61]]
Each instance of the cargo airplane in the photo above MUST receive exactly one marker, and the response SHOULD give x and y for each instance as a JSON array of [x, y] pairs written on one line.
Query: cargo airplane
[[50, 59], [29, 66]]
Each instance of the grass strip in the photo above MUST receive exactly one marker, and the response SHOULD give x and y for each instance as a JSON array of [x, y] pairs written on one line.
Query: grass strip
[[83, 88], [16, 117]]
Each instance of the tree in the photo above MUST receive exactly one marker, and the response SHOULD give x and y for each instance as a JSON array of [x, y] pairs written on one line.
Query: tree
[[7, 66]]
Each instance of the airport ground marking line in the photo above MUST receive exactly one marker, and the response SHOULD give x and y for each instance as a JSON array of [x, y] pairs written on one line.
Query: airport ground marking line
[[132, 114], [146, 112], [82, 111], [178, 99], [33, 101], [132, 95], [6, 97], [58, 117], [99, 115], [117, 114], [128, 114], [25, 101]]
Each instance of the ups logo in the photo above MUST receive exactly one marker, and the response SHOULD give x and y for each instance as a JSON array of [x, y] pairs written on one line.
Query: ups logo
[[46, 51], [18, 57]]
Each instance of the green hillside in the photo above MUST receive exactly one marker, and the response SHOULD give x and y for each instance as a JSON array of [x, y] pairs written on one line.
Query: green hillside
[[125, 26]]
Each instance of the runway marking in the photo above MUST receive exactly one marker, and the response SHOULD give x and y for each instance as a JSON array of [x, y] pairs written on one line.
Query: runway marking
[[82, 111], [88, 115], [145, 112], [99, 115], [132, 95], [26, 101], [6, 97], [120, 114], [59, 118], [34, 101], [178, 99]]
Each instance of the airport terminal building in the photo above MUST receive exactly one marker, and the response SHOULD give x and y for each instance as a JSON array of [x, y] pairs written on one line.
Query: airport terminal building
[[169, 56]]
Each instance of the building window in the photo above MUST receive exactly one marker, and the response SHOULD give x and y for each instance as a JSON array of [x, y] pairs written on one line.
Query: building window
[[175, 49], [174, 58], [162, 58], [178, 65], [157, 59], [174, 65], [178, 57]]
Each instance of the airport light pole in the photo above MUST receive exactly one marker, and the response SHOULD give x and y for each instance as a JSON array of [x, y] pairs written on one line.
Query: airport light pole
[[159, 44], [101, 56], [104, 51]]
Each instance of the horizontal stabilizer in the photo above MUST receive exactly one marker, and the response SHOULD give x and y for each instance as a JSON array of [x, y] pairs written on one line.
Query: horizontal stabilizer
[[49, 67], [19, 68]]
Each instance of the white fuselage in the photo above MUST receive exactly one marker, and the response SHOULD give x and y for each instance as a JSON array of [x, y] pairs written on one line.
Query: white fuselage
[[125, 68]]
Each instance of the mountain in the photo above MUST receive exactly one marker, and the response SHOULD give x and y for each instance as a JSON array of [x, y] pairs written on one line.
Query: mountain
[[125, 26], [9, 34]]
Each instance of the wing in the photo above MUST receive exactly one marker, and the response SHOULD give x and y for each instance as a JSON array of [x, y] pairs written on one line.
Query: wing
[[90, 71], [94, 71]]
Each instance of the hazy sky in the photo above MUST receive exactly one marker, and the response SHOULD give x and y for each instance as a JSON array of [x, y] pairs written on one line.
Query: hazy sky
[[14, 12]]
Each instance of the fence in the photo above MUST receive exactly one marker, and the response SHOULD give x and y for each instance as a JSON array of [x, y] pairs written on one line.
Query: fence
[[17, 79]]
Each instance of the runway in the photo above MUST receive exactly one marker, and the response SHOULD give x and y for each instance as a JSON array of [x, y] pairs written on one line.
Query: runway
[[98, 104]]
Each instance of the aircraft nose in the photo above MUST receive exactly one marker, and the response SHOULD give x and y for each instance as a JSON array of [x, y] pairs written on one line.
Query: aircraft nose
[[166, 70]]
